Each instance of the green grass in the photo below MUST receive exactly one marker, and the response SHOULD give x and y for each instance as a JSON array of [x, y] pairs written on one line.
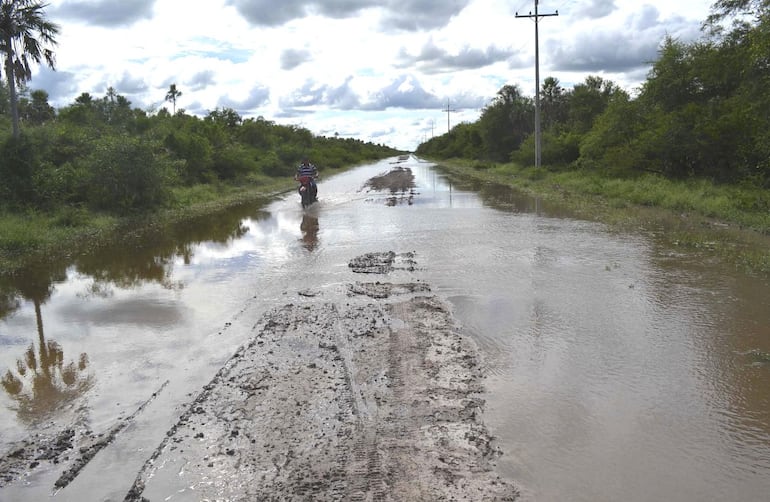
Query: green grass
[[29, 236]]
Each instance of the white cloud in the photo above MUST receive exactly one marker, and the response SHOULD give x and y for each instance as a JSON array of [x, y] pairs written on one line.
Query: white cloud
[[108, 13], [434, 59], [292, 58], [594, 9], [256, 97]]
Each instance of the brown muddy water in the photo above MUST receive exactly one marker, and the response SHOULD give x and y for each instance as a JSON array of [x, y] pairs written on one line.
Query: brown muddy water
[[617, 368]]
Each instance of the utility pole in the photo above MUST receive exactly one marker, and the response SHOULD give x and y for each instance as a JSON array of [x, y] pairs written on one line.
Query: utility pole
[[448, 111], [536, 16]]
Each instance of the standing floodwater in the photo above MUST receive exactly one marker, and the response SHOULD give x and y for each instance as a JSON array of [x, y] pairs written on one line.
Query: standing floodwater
[[617, 369]]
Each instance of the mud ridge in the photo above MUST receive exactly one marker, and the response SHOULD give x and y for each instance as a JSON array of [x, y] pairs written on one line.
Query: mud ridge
[[399, 183], [373, 398]]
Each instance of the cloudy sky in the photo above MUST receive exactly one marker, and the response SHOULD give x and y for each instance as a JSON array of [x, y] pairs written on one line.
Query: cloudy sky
[[376, 70]]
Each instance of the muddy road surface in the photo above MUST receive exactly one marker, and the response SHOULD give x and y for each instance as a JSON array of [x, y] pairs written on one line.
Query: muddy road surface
[[376, 398], [366, 390]]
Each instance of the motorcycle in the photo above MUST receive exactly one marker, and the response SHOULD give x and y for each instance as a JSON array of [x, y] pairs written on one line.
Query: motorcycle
[[307, 191]]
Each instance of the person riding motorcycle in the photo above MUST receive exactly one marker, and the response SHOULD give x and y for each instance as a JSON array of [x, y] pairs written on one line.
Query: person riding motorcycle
[[306, 169]]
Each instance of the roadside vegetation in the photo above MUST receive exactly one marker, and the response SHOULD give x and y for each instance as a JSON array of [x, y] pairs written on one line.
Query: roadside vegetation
[[95, 164], [70, 177], [690, 148]]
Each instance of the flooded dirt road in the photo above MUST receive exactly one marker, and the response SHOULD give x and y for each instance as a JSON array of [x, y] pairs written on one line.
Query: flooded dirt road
[[352, 397], [612, 368]]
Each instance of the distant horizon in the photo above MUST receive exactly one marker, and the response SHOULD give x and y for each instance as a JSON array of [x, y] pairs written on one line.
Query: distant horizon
[[381, 72]]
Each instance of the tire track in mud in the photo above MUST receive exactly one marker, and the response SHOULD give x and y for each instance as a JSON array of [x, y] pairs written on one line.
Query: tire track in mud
[[371, 395], [366, 466]]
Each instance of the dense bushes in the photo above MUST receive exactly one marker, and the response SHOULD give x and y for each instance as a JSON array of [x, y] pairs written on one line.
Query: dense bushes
[[128, 174], [701, 113], [100, 154]]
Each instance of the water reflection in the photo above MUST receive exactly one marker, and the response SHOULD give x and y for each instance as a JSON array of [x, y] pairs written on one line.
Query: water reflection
[[501, 197], [612, 357], [129, 263], [9, 302], [309, 228], [42, 384], [131, 260], [41, 381], [35, 283]]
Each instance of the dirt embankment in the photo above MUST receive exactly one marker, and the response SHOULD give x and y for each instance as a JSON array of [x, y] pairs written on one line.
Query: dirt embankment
[[373, 398]]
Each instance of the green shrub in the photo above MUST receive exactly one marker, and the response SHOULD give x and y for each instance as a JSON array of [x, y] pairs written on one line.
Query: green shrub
[[69, 216], [232, 161], [196, 152], [271, 165], [127, 175], [18, 157], [57, 185]]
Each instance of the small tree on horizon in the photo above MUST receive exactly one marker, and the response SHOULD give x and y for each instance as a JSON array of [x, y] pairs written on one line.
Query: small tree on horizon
[[171, 96]]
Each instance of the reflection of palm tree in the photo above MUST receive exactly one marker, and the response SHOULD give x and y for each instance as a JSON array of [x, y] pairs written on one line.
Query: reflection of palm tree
[[43, 383], [309, 228]]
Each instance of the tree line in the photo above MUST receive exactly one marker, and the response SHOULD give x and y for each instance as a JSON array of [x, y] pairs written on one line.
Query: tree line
[[702, 111], [103, 154]]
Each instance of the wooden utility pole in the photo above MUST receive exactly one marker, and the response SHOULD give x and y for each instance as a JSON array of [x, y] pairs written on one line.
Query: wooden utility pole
[[448, 111], [536, 16]]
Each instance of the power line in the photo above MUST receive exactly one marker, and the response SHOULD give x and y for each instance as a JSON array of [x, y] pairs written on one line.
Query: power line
[[536, 16]]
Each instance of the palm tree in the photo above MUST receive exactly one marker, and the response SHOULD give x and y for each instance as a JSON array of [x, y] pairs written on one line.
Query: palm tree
[[25, 37], [171, 95]]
